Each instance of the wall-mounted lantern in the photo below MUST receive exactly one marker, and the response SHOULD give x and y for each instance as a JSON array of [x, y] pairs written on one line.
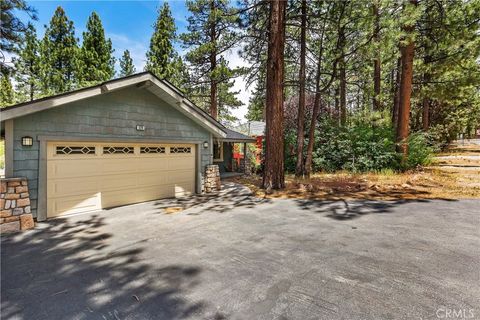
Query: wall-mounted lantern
[[205, 144], [27, 141]]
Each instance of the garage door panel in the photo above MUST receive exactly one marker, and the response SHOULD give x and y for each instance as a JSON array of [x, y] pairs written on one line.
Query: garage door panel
[[152, 164], [65, 187], [157, 178], [82, 183], [117, 165], [73, 204], [183, 189], [117, 198], [113, 182], [180, 164], [156, 192], [63, 169], [180, 176]]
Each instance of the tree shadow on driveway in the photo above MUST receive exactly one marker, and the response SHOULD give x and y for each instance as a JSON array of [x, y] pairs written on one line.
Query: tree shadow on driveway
[[231, 196], [68, 270], [352, 209]]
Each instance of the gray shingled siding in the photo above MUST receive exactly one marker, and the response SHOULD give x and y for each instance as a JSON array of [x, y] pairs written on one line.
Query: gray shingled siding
[[115, 114]]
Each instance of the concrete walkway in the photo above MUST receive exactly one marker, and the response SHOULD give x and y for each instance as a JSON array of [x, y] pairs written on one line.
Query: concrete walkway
[[232, 256]]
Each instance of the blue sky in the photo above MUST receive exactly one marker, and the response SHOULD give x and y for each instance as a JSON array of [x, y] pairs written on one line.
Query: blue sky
[[129, 24]]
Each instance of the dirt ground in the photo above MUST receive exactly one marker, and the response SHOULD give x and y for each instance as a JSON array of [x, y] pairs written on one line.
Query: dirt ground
[[454, 174]]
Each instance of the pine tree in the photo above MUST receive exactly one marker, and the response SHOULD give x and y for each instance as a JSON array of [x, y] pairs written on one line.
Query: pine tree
[[59, 55], [274, 174], [181, 77], [407, 51], [11, 26], [211, 34], [126, 64], [161, 56], [6, 90], [96, 57], [27, 67]]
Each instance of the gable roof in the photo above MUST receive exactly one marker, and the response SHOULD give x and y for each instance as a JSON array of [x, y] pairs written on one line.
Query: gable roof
[[252, 128], [234, 136], [161, 88]]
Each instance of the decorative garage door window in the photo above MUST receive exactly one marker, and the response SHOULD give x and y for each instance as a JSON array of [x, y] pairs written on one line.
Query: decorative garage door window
[[180, 149], [152, 149], [117, 150], [75, 150]]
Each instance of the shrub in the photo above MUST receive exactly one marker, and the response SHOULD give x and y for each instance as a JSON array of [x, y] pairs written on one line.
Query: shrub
[[366, 144], [358, 147], [420, 150]]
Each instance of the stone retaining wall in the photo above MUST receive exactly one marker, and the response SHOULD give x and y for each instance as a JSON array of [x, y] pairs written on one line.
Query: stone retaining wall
[[212, 178], [15, 209]]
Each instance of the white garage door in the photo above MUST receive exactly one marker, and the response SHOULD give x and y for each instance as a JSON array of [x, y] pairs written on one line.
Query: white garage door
[[85, 176]]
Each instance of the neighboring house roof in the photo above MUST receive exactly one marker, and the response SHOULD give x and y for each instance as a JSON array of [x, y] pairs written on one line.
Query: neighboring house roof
[[252, 128], [234, 136], [162, 88]]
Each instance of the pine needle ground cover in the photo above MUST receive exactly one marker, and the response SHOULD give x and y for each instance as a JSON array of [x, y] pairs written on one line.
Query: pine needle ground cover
[[454, 177]]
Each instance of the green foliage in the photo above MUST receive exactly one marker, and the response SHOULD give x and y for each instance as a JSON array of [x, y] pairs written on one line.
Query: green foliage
[[27, 67], [161, 56], [97, 63], [361, 146], [419, 151], [59, 55], [12, 27], [211, 34], [256, 103], [6, 90], [366, 144], [126, 64], [2, 154]]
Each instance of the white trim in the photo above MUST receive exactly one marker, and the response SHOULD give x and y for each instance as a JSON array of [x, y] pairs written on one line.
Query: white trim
[[49, 103]]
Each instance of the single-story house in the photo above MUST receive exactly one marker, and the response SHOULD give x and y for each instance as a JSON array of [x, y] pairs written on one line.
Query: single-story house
[[124, 141]]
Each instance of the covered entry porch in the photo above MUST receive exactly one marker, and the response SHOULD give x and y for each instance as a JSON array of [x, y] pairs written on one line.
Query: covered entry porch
[[231, 154]]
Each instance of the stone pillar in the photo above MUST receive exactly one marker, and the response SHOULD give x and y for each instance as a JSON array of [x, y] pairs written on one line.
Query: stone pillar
[[212, 178], [15, 210], [247, 163]]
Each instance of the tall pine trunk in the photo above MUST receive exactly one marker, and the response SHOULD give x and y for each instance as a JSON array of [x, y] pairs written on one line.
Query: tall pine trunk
[[274, 175], [342, 78], [396, 93], [407, 53], [316, 110], [376, 61], [425, 113], [301, 92], [213, 66], [426, 100]]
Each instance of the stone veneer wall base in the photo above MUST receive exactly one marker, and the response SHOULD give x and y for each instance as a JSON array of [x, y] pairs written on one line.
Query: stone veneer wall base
[[15, 210], [212, 181]]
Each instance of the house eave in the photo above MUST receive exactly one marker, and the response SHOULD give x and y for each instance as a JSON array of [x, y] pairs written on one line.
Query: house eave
[[144, 80]]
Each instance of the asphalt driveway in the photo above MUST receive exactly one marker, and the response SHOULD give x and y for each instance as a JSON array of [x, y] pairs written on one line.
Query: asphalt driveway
[[235, 257]]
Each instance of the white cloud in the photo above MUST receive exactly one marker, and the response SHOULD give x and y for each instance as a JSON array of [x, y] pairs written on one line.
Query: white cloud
[[137, 49]]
